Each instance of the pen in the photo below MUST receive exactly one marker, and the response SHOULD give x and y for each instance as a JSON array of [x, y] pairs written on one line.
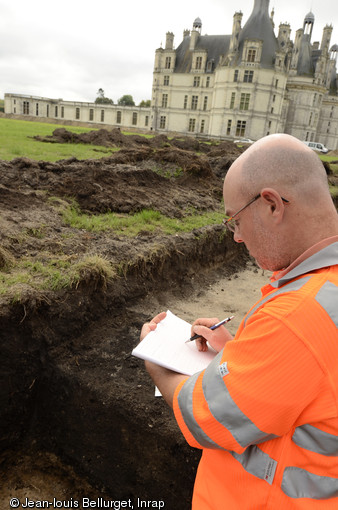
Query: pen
[[215, 326]]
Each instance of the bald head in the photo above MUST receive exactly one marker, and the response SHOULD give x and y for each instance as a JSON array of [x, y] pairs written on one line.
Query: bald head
[[282, 162], [295, 210]]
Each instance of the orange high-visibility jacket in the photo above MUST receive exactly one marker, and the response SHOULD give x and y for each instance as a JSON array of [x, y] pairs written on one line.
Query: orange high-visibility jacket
[[265, 411]]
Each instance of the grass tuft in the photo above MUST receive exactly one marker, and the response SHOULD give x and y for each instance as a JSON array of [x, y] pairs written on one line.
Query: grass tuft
[[56, 274], [93, 268], [6, 259]]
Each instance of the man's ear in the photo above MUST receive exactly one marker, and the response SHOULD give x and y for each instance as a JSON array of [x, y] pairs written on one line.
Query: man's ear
[[273, 199]]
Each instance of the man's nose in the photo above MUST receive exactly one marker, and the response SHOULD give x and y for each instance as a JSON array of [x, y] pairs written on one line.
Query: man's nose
[[237, 237]]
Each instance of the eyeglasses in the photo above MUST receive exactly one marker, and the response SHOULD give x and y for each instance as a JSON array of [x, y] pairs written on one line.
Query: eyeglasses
[[230, 223]]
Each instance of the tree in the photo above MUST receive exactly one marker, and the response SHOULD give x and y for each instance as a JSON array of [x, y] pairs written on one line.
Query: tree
[[126, 100], [145, 103], [101, 99]]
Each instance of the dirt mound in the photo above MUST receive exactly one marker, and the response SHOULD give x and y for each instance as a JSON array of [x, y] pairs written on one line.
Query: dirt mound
[[104, 137], [115, 138], [127, 182], [188, 155]]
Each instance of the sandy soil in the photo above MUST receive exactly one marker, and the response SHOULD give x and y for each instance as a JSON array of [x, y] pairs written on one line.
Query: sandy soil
[[226, 295]]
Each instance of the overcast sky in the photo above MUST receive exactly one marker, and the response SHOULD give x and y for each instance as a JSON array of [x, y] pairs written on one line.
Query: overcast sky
[[71, 48]]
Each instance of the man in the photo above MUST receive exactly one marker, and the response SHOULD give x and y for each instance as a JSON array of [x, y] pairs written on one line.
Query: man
[[265, 411]]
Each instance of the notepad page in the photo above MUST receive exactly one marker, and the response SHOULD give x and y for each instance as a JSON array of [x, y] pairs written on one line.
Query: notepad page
[[166, 346]]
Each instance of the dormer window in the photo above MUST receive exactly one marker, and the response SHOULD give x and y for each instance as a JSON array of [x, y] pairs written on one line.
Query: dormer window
[[167, 63], [198, 64], [210, 66], [252, 51], [251, 55]]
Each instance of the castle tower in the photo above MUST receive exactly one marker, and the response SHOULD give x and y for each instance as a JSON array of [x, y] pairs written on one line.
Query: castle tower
[[236, 30], [334, 52], [323, 63], [169, 42], [195, 33], [284, 36], [302, 61], [197, 25], [326, 38], [308, 24]]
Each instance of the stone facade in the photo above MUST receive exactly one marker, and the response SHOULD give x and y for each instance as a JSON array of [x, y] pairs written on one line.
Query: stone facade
[[249, 83], [133, 117]]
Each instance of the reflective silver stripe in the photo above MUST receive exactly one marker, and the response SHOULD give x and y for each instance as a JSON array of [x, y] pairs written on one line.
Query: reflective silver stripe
[[226, 411], [316, 440], [290, 287], [298, 483], [186, 408], [257, 463], [327, 297], [324, 258]]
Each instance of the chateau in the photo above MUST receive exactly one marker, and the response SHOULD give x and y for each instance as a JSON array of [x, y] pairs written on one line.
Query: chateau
[[249, 83]]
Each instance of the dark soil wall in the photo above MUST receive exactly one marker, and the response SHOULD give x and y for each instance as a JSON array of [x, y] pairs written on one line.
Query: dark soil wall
[[70, 383]]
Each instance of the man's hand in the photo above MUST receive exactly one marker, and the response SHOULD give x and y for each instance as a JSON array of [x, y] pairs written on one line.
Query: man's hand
[[166, 380], [217, 338], [152, 325]]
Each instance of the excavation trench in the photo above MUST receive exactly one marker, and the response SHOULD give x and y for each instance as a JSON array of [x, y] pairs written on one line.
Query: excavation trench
[[78, 416], [72, 390]]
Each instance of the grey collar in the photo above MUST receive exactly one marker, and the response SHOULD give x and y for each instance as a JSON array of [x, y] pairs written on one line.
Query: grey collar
[[326, 257]]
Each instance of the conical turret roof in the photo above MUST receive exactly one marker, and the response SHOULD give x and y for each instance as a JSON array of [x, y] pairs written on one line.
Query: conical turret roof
[[305, 63]]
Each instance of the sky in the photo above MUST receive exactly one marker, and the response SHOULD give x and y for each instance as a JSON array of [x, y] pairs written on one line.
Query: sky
[[71, 48]]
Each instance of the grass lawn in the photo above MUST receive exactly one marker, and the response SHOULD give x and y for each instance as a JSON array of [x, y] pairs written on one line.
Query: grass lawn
[[330, 159], [16, 141]]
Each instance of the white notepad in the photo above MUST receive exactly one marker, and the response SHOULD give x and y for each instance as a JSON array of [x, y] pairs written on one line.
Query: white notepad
[[166, 346]]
